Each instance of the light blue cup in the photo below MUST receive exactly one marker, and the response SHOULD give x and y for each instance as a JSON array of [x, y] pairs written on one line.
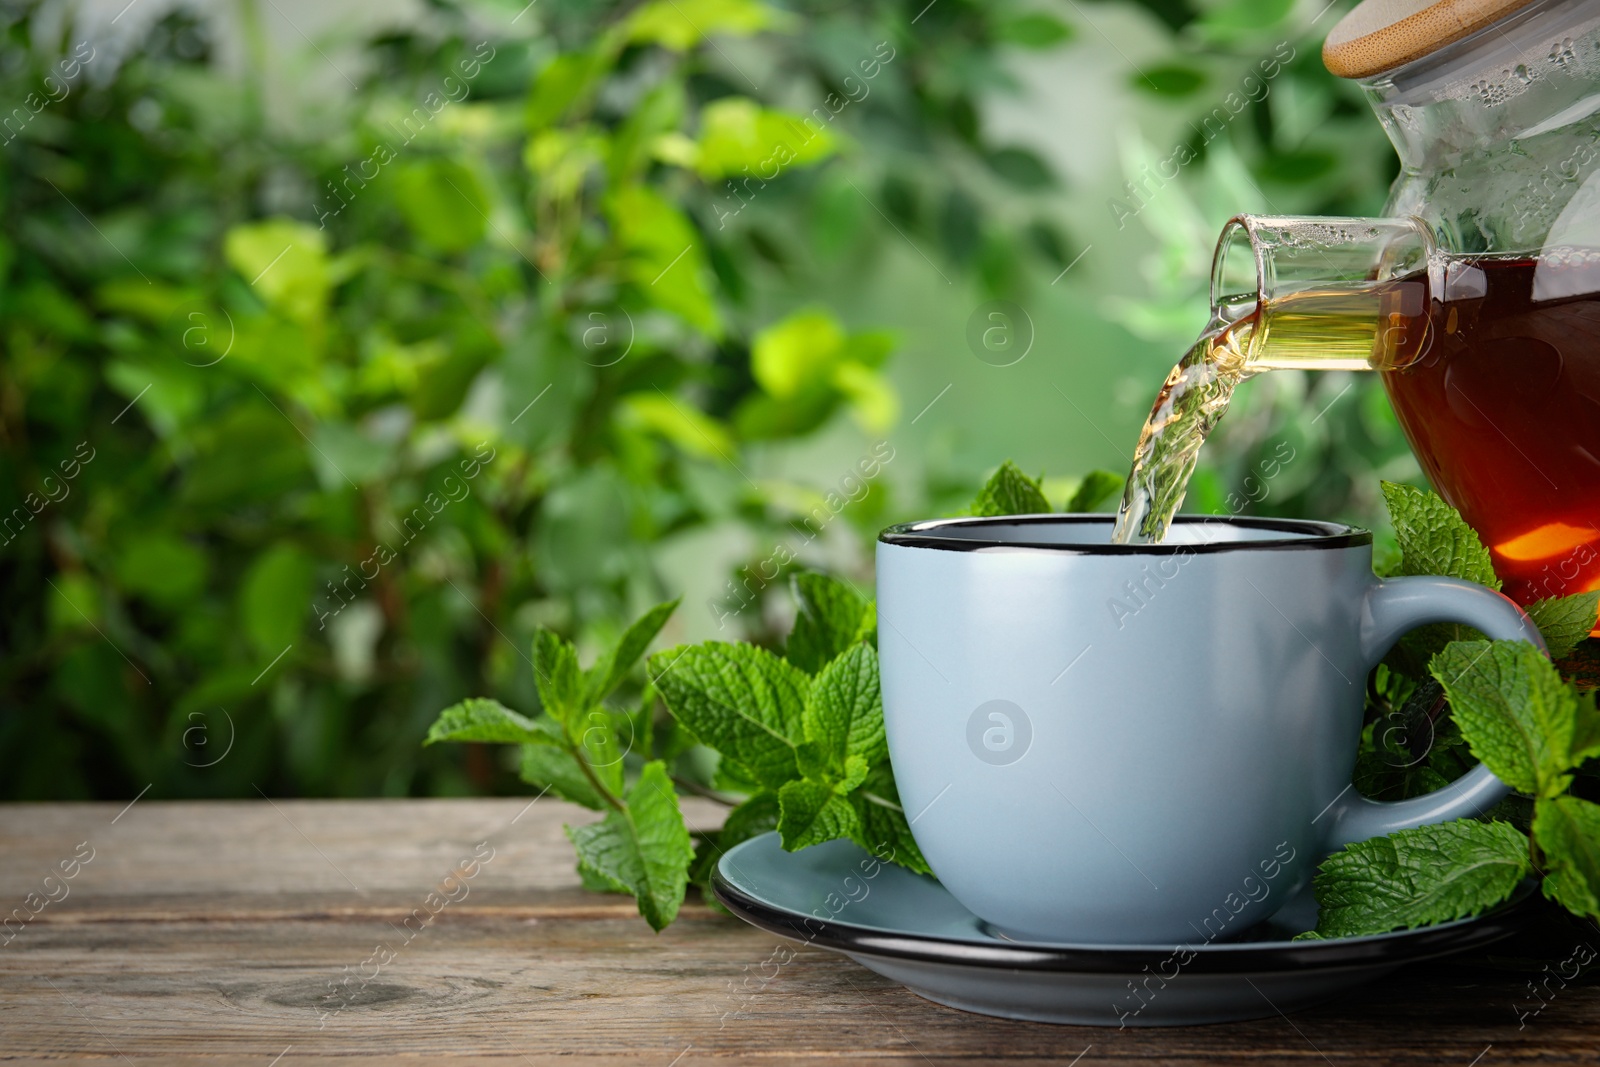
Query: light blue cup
[[1116, 744]]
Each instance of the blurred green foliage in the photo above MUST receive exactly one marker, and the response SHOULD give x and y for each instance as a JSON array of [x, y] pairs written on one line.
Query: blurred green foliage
[[309, 420]]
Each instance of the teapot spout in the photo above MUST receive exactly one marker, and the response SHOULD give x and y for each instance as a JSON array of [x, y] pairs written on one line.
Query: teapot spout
[[1327, 293]]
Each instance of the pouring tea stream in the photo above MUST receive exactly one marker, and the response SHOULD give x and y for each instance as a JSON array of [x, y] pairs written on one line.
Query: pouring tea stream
[[1477, 296]]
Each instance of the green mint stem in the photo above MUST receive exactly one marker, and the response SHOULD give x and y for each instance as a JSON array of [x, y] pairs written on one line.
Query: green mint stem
[[701, 791], [594, 779]]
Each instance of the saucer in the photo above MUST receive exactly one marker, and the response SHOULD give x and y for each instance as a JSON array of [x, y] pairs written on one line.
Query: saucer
[[908, 928]]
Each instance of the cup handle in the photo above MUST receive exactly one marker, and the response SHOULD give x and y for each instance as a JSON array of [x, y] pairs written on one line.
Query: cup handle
[[1394, 606]]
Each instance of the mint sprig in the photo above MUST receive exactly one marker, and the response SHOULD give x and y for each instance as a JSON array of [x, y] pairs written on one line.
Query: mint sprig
[[1567, 829], [575, 749], [813, 739], [1009, 492], [1431, 874], [1516, 714], [1532, 730], [1433, 537], [641, 846], [482, 719], [832, 617], [1096, 488], [800, 745], [1565, 621]]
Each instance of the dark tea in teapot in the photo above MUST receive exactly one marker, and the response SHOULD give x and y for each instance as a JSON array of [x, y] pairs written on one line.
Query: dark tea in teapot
[[1503, 411]]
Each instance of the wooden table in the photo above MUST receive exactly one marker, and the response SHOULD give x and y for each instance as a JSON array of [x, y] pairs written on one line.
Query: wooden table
[[245, 932]]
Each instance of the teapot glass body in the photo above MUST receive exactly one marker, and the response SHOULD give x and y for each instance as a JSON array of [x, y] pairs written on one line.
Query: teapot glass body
[[1499, 143]]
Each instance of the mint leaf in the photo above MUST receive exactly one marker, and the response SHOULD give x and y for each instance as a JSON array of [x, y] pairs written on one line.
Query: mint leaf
[[609, 671], [1096, 488], [555, 672], [811, 813], [596, 882], [1568, 832], [813, 763], [1581, 666], [884, 830], [1564, 621], [1009, 492], [844, 713], [596, 740], [855, 772], [1516, 713], [1585, 728], [555, 768], [1433, 537], [754, 817], [482, 719], [1431, 874], [832, 617], [729, 777], [741, 700], [645, 847]]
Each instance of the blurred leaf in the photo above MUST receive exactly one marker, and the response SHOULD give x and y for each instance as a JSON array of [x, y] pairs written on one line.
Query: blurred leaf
[[959, 226], [276, 597], [681, 24], [73, 602], [872, 399], [564, 83], [738, 135], [168, 394], [443, 203], [1169, 79], [796, 354], [161, 568], [1097, 488], [657, 115], [679, 422], [285, 262], [1298, 167], [342, 454], [1034, 29], [1240, 18], [1021, 168], [248, 455], [764, 418], [562, 158], [665, 258]]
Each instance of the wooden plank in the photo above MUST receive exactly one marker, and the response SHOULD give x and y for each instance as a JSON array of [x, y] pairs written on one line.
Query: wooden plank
[[220, 934], [224, 858]]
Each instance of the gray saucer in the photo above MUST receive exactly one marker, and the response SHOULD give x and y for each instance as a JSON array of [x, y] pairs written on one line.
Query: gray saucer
[[908, 928]]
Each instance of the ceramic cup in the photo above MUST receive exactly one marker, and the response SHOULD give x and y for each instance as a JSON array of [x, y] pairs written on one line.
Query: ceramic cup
[[1116, 744]]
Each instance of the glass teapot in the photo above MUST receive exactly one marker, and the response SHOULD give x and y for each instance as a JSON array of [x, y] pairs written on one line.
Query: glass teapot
[[1478, 296]]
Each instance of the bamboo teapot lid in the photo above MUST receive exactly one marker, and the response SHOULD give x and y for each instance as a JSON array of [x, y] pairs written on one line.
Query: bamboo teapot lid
[[1379, 35]]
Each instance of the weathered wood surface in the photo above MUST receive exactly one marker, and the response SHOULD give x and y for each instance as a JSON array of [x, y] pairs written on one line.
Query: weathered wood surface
[[220, 933]]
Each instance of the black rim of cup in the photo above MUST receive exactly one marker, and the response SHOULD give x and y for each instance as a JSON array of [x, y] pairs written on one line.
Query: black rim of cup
[[1301, 535]]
